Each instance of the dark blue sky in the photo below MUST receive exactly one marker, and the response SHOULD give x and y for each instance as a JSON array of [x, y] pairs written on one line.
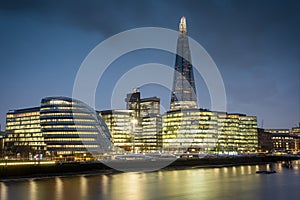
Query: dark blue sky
[[255, 44]]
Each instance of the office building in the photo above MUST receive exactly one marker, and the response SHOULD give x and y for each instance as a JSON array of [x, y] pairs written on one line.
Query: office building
[[195, 128], [72, 129], [146, 121], [120, 124], [142, 107], [24, 135], [295, 131], [150, 138]]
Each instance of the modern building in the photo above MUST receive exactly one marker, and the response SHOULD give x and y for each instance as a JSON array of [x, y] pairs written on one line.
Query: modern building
[[209, 131], [184, 91], [120, 124], [72, 129], [24, 135], [296, 131], [150, 139], [247, 140], [147, 124], [142, 107], [189, 128], [61, 127]]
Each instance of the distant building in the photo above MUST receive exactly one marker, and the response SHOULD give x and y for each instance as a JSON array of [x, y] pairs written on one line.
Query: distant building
[[264, 141], [295, 131], [278, 131], [282, 140]]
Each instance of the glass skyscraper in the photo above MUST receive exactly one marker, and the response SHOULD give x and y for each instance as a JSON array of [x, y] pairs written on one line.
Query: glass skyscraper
[[184, 91]]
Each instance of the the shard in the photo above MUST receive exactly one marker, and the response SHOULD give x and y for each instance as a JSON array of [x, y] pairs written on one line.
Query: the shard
[[184, 91]]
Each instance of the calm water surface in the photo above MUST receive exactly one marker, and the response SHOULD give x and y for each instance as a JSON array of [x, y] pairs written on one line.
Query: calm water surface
[[213, 183]]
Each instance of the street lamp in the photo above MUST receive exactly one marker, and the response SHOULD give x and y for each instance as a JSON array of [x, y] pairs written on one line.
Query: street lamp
[[134, 122]]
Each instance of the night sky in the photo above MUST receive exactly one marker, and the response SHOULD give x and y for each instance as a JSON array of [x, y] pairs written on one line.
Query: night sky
[[255, 44]]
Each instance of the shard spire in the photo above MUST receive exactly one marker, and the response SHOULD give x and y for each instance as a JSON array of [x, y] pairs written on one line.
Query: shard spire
[[184, 90]]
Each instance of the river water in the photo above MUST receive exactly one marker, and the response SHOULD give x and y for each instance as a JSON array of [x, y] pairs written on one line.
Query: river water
[[224, 183]]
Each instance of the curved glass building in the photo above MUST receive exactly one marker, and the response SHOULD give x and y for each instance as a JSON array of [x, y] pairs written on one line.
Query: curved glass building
[[72, 129]]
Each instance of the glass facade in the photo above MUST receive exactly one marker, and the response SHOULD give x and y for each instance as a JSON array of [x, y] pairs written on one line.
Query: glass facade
[[146, 122], [184, 90], [183, 129], [150, 138], [247, 135], [149, 106], [208, 131], [120, 125], [71, 128], [24, 136]]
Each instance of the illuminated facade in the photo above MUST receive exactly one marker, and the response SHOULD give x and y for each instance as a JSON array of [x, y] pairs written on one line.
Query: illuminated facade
[[237, 133], [150, 137], [209, 131], [24, 136], [120, 125], [60, 127], [71, 128], [278, 131], [146, 122], [184, 91], [295, 131], [187, 128], [285, 142], [247, 134]]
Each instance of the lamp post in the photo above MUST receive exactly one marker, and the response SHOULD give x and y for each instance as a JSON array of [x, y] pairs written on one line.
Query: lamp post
[[134, 122]]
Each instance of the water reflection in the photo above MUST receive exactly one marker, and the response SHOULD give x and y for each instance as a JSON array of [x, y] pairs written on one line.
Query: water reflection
[[3, 189], [32, 194], [239, 182], [58, 188]]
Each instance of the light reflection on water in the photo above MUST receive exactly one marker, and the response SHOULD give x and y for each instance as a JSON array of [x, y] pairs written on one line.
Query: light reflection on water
[[239, 182]]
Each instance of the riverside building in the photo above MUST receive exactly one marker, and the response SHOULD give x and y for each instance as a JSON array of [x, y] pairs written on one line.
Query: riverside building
[[120, 125], [24, 135], [72, 129], [60, 128]]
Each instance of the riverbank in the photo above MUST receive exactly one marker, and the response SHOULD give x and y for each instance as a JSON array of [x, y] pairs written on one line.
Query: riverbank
[[80, 168]]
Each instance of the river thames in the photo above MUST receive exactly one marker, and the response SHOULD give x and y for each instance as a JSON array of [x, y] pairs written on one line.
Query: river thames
[[239, 182]]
